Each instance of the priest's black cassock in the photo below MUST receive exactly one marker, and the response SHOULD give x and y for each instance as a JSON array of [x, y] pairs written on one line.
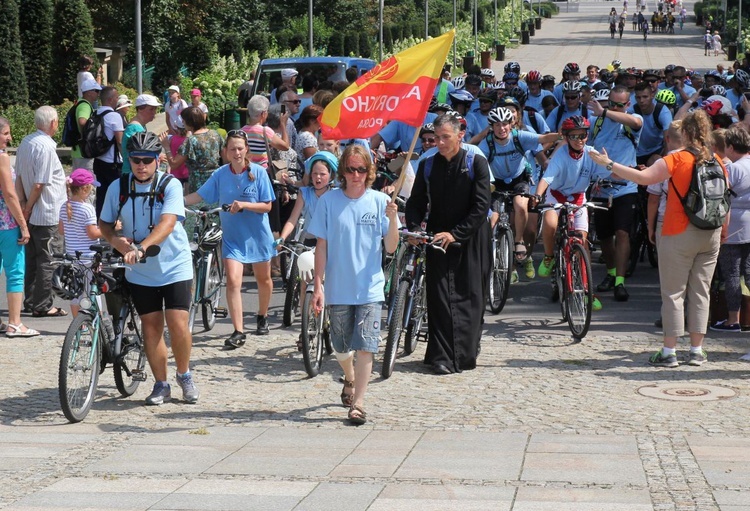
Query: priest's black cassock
[[456, 281]]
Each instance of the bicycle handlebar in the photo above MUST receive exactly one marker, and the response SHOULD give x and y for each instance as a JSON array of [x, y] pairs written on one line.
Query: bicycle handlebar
[[567, 205], [205, 211], [428, 238]]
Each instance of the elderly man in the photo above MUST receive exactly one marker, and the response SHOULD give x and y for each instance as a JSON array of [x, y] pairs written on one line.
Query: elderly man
[[41, 188], [458, 201]]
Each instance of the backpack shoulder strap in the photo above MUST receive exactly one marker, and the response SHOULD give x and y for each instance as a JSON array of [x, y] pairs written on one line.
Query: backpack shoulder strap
[[597, 127], [161, 188], [125, 193], [533, 121], [491, 146], [558, 118], [516, 142], [656, 113], [470, 164]]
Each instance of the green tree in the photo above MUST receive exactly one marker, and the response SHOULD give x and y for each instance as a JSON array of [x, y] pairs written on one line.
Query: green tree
[[351, 44], [13, 89], [35, 23], [365, 45], [336, 44], [388, 38], [73, 37]]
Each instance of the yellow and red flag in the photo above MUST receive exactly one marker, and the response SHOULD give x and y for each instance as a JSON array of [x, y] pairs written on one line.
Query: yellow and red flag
[[397, 89]]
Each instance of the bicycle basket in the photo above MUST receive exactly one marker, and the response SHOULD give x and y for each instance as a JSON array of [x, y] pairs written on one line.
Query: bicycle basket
[[68, 281], [211, 238]]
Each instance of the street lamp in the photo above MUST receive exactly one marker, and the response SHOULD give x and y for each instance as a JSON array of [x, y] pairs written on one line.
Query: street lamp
[[310, 28], [426, 21], [380, 39], [138, 49]]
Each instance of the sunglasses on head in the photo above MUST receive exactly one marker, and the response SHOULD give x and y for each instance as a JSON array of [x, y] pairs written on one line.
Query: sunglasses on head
[[617, 103], [582, 136], [571, 97], [358, 170], [145, 159], [237, 133]]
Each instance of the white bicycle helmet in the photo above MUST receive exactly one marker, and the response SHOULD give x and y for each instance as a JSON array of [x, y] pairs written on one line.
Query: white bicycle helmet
[[571, 86], [487, 72], [461, 96], [211, 238], [459, 82], [500, 114], [718, 90], [742, 78], [601, 95]]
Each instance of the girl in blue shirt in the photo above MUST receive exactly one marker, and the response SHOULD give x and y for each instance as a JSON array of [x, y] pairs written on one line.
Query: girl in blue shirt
[[247, 234]]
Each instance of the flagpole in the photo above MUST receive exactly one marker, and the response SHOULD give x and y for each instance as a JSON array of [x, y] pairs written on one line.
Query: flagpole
[[400, 181]]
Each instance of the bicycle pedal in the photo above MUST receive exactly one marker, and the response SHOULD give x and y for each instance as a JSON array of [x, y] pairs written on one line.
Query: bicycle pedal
[[221, 312], [138, 375]]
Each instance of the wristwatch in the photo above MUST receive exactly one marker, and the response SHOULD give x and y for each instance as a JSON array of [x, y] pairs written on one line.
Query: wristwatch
[[609, 166]]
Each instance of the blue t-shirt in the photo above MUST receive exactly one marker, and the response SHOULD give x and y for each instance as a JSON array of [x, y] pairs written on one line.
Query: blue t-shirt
[[247, 235], [652, 138], [508, 162], [476, 122], [535, 102], [311, 202], [569, 176], [552, 117], [353, 230], [175, 262], [734, 98], [540, 123], [398, 134], [620, 148]]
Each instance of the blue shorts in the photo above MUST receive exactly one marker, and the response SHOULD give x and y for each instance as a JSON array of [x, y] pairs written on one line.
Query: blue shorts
[[12, 260], [356, 327]]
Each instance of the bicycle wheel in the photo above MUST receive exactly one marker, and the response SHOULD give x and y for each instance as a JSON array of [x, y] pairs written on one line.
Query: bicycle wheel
[[211, 291], [132, 358], [580, 293], [194, 301], [313, 343], [395, 329], [560, 282], [291, 300], [653, 255], [501, 270], [419, 309], [80, 362]]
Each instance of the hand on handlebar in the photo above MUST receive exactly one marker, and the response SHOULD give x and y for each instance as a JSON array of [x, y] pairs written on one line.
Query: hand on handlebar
[[443, 239]]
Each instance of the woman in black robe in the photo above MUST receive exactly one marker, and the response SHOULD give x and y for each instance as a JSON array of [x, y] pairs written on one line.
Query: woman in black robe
[[458, 199]]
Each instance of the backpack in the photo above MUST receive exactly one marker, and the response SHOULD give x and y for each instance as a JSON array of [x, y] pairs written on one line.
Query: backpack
[[517, 148], [532, 119], [71, 134], [560, 111], [708, 198], [656, 113], [156, 193], [94, 141]]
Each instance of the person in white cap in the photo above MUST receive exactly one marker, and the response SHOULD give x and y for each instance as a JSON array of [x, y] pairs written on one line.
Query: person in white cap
[[123, 106], [174, 108], [288, 77], [85, 105], [146, 106]]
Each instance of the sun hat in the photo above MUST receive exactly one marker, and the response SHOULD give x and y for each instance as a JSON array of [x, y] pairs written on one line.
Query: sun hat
[[90, 84], [146, 100]]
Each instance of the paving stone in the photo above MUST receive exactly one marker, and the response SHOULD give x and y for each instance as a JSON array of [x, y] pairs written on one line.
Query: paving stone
[[343, 497], [581, 499]]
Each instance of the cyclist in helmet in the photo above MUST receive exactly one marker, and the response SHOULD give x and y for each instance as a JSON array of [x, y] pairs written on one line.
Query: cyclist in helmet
[[651, 76], [619, 132], [510, 153], [736, 86], [512, 67], [571, 72], [666, 98], [535, 91], [548, 83], [656, 120], [488, 76], [149, 204], [566, 179], [571, 105], [458, 82]]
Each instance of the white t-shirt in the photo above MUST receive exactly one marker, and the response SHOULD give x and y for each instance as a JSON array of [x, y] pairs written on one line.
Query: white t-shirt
[[175, 109], [112, 125]]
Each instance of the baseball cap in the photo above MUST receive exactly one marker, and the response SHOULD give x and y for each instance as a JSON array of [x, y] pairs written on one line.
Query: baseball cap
[[174, 88], [123, 102], [90, 84], [288, 73], [81, 177], [196, 92], [146, 100]]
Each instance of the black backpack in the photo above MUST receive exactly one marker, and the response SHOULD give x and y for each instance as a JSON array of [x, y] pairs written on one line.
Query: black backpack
[[708, 198], [655, 114], [71, 135], [94, 141]]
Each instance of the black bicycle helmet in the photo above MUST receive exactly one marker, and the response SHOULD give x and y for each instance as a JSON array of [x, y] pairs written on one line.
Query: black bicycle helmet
[[606, 76], [547, 79], [144, 142], [576, 122], [68, 281], [512, 67], [519, 94], [488, 94], [427, 128]]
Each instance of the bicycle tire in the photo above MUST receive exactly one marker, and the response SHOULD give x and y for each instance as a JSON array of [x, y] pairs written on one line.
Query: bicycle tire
[[135, 355], [291, 300], [560, 282], [212, 288], [636, 242], [80, 361], [419, 309], [580, 293], [653, 255], [312, 337], [194, 301], [501, 271], [395, 329]]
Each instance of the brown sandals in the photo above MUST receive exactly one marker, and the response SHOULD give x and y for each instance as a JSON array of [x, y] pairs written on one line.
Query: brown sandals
[[357, 415], [346, 399]]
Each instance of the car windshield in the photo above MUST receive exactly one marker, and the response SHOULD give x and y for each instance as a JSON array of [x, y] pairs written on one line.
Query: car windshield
[[270, 77]]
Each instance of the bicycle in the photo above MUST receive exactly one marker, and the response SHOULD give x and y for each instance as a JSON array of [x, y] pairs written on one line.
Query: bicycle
[[502, 250], [571, 282], [409, 310], [94, 339], [293, 298], [640, 245], [208, 267], [316, 328]]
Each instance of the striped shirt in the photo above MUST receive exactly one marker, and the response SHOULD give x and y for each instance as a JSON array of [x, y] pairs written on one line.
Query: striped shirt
[[76, 238], [37, 163], [256, 142]]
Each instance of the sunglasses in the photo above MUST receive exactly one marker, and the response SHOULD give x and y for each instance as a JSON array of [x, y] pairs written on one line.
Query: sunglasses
[[295, 101], [358, 170], [651, 80], [428, 140], [237, 133], [584, 136], [571, 97], [147, 160], [618, 104]]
